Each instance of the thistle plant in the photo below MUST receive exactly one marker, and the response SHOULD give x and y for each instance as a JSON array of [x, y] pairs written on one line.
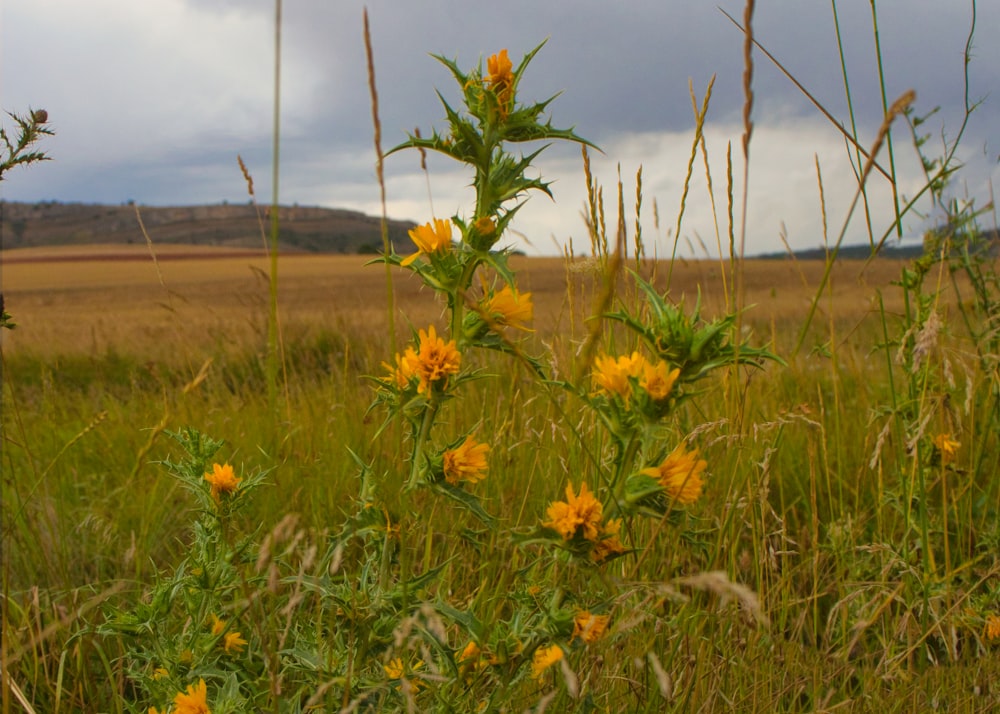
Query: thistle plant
[[348, 617], [193, 625], [492, 117], [17, 149], [430, 371]]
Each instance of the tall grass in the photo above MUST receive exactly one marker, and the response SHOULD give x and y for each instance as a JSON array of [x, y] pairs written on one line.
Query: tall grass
[[841, 553]]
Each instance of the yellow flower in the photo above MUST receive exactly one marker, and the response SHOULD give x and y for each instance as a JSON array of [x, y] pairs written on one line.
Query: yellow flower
[[588, 627], [680, 474], [233, 642], [501, 78], [947, 447], [434, 360], [403, 371], [544, 658], [578, 514], [394, 670], [195, 701], [612, 375], [485, 226], [160, 673], [658, 380], [992, 630], [223, 480], [610, 543], [510, 307], [218, 626], [434, 237], [471, 651], [467, 462]]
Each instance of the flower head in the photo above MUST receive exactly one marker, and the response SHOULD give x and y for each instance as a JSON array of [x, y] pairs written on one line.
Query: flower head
[[401, 374], [434, 237], [195, 701], [544, 658], [680, 474], [394, 669], [508, 306], [233, 642], [612, 375], [223, 481], [466, 462], [610, 543], [218, 626], [501, 77], [471, 652], [658, 380], [577, 515], [434, 359], [992, 629], [589, 627], [947, 447]]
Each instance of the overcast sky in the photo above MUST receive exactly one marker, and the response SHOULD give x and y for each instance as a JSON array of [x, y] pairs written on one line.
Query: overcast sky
[[152, 100]]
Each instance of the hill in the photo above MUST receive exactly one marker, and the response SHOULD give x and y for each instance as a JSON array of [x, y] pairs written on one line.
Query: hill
[[304, 228]]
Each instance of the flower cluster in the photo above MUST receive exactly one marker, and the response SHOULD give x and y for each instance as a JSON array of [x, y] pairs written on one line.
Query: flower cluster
[[619, 377]]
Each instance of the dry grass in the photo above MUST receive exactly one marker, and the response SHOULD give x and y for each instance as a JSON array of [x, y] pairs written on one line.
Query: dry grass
[[68, 304]]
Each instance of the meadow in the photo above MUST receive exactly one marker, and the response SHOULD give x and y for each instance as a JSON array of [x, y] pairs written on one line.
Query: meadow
[[465, 480]]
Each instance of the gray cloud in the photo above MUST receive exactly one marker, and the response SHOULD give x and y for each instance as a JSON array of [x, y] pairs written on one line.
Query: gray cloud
[[154, 100]]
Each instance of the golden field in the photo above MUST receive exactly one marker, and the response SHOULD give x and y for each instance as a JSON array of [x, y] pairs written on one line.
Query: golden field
[[88, 300]]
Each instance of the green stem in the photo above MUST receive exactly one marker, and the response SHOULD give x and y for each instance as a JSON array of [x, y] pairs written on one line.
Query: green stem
[[624, 458], [420, 438]]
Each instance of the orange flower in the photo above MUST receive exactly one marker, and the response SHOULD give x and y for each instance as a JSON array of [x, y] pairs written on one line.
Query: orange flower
[[658, 380], [434, 360], [680, 474], [471, 651], [577, 515], [947, 447], [434, 237], [501, 78], [233, 642], [612, 375], [467, 462], [510, 307], [195, 701], [402, 372], [544, 658], [218, 626], [394, 669], [588, 627], [992, 629], [610, 543], [223, 480]]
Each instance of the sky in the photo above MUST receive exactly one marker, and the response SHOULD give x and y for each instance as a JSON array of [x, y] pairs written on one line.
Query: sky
[[153, 101]]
